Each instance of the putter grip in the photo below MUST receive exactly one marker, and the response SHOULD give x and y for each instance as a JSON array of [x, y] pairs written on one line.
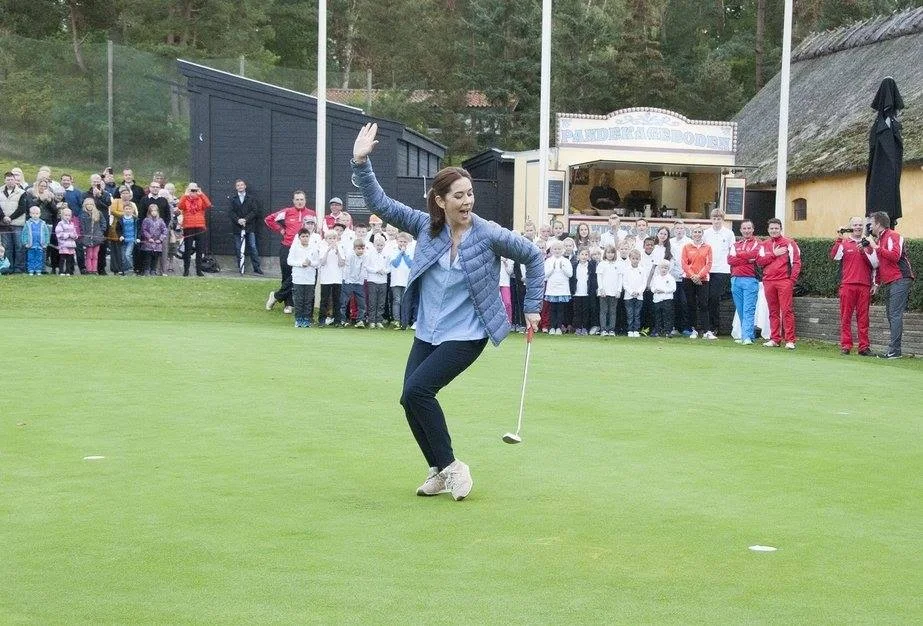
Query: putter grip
[[529, 334]]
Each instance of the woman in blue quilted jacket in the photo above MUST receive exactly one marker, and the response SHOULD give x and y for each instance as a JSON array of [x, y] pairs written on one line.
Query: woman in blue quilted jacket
[[454, 283]]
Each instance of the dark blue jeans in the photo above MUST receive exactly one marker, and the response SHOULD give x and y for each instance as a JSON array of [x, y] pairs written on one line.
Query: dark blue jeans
[[898, 294], [429, 369]]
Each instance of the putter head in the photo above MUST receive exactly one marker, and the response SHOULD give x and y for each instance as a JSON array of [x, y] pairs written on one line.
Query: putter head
[[512, 438]]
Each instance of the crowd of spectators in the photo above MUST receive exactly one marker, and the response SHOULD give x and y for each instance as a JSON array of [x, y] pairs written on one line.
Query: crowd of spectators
[[54, 227], [623, 281]]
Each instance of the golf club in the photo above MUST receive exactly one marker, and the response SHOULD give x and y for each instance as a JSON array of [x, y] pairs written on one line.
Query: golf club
[[514, 437]]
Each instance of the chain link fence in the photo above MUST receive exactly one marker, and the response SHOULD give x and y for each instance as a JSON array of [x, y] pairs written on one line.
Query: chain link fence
[[55, 104]]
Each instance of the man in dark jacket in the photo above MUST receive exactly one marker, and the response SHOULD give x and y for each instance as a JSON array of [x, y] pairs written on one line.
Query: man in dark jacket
[[245, 214]]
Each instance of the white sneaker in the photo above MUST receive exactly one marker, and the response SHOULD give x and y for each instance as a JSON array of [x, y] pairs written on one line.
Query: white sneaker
[[710, 335], [594, 330], [287, 310], [457, 478], [413, 326], [771, 344], [433, 485], [328, 321], [693, 335], [360, 324], [747, 342], [381, 326], [271, 301], [738, 341], [790, 345]]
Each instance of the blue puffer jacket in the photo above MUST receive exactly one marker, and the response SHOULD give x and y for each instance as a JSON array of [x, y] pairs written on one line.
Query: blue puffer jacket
[[479, 255]]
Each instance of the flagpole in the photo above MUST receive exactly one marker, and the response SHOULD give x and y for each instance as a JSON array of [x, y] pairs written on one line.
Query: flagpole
[[784, 83], [545, 112], [320, 181]]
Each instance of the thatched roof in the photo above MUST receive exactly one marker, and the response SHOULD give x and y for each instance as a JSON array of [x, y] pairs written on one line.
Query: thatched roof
[[834, 78]]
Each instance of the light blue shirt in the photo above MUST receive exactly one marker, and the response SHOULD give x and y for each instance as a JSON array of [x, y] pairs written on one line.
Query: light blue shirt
[[446, 311]]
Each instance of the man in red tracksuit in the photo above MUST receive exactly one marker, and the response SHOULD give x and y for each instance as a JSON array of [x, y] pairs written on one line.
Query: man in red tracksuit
[[857, 286], [894, 271], [780, 259], [287, 221]]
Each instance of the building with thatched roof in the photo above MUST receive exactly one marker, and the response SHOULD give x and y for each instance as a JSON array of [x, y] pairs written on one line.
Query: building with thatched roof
[[834, 77]]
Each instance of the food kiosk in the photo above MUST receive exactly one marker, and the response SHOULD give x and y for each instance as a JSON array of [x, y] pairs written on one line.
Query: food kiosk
[[637, 162]]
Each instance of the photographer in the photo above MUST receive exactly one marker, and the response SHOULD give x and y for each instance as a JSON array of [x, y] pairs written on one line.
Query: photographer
[[887, 249], [857, 284]]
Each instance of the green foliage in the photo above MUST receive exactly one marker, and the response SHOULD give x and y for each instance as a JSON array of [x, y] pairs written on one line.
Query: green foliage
[[819, 273]]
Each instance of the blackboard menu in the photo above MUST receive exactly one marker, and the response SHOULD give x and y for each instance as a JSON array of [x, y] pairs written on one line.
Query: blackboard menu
[[734, 201], [555, 194]]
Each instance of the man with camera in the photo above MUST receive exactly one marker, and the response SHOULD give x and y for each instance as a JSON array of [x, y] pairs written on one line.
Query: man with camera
[[887, 249], [857, 284]]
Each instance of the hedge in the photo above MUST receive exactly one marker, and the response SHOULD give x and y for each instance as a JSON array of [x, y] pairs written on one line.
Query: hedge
[[819, 271]]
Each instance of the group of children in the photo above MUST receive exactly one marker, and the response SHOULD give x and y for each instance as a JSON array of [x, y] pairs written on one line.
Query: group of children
[[359, 271], [125, 234], [594, 287]]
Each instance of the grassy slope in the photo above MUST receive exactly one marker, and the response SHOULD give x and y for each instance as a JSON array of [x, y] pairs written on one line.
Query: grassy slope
[[256, 473]]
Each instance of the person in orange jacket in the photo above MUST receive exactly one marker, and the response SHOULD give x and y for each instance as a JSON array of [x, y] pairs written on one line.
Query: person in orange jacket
[[193, 206], [696, 262]]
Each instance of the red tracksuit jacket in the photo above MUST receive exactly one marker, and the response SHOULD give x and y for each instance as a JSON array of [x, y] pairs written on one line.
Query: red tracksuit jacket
[[787, 266]]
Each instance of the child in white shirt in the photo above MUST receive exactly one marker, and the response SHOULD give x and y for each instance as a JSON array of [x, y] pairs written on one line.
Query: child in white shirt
[[609, 281], [558, 271], [330, 274], [354, 275], [634, 282], [303, 259], [663, 286], [583, 285], [376, 281], [401, 260]]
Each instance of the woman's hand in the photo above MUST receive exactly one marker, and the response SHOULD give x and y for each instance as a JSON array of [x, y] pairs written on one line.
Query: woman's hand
[[365, 142], [532, 321]]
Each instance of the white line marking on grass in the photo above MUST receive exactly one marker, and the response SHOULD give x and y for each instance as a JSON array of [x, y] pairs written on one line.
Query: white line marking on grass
[[93, 458], [759, 548]]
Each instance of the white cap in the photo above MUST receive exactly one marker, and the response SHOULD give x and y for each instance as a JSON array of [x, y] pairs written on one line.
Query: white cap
[[335, 200]]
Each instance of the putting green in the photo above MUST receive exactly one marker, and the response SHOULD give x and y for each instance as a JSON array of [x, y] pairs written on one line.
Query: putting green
[[256, 473]]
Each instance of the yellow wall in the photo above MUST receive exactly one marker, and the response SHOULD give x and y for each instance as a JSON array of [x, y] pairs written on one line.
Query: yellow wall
[[702, 188], [831, 201]]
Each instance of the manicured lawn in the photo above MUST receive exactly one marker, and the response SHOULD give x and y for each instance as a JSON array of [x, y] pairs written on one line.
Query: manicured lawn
[[257, 473]]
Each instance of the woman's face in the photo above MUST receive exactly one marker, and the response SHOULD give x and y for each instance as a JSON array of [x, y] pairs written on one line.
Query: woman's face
[[583, 230], [558, 228], [662, 235], [457, 203]]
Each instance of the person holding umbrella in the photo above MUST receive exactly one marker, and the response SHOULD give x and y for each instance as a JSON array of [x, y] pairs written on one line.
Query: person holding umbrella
[[453, 283], [245, 214]]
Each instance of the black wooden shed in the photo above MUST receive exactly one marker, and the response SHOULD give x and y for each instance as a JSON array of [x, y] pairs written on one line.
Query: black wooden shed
[[266, 135]]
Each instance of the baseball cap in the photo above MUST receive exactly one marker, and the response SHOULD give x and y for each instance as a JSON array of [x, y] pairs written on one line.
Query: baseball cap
[[335, 200]]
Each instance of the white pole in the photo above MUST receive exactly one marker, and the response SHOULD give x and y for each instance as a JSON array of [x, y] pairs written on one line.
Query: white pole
[[545, 112], [109, 97], [785, 80], [320, 183]]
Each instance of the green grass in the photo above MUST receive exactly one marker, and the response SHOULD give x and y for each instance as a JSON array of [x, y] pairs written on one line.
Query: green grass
[[256, 473]]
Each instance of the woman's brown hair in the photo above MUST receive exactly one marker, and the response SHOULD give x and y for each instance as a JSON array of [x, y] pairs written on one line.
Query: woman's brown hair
[[441, 184]]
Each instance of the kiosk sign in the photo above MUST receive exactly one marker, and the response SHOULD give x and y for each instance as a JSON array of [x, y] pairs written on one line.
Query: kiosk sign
[[646, 128]]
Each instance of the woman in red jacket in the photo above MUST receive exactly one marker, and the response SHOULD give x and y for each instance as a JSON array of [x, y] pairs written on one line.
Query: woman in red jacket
[[193, 206]]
